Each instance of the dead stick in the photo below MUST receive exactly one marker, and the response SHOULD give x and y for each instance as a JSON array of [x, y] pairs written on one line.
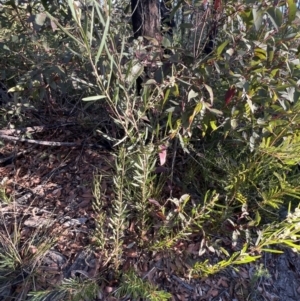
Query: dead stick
[[49, 143], [33, 129]]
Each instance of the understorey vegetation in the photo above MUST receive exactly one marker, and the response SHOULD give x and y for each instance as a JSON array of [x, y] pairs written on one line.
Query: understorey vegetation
[[199, 118]]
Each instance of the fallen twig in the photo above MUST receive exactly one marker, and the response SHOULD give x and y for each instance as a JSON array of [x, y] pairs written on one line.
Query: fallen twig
[[33, 129], [40, 142]]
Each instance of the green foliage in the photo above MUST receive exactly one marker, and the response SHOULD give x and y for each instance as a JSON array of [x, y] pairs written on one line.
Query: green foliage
[[260, 274], [229, 123], [184, 218], [135, 287], [285, 233], [70, 289], [131, 202], [31, 51], [20, 258], [3, 196], [205, 268]]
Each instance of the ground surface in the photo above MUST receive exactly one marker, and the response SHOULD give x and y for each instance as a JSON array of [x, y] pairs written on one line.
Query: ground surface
[[51, 196]]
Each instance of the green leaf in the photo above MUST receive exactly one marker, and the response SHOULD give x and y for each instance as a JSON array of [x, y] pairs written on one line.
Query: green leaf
[[16, 89], [92, 98], [261, 53], [213, 124], [166, 42], [4, 47], [247, 17], [246, 259], [166, 96], [73, 11], [104, 35], [291, 244], [274, 72], [64, 30], [184, 198], [214, 111], [257, 18], [292, 10], [233, 123], [270, 51], [92, 26], [272, 251], [192, 94], [175, 90], [275, 16], [210, 92], [221, 47]]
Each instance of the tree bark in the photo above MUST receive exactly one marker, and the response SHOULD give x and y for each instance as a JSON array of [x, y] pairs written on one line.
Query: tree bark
[[146, 18]]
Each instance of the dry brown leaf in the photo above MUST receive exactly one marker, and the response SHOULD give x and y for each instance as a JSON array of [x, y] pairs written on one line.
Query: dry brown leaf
[[57, 192], [84, 203], [131, 253], [244, 273], [32, 249], [223, 281], [87, 195], [270, 297], [109, 289], [213, 292], [37, 221]]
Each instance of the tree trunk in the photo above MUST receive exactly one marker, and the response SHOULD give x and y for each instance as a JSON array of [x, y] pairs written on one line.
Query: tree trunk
[[146, 18]]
